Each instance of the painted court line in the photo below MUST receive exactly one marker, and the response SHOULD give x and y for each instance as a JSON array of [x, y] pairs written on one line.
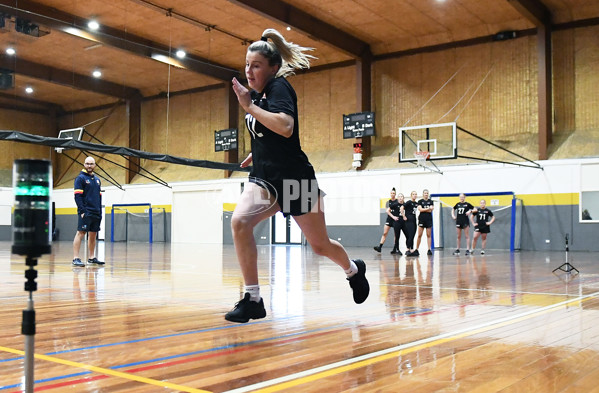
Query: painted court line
[[167, 361], [109, 372], [292, 380]]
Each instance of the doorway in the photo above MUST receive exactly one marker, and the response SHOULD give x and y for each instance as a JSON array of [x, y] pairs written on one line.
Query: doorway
[[285, 230]]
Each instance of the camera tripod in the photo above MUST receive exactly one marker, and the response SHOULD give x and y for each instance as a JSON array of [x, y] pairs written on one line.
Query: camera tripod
[[566, 266], [28, 323]]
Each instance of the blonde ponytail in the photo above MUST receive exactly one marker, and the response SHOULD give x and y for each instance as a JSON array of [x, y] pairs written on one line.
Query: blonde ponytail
[[287, 55]]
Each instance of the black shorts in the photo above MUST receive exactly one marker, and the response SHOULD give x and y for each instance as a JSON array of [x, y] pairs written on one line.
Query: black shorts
[[462, 223], [390, 222], [89, 223], [482, 229], [294, 196], [425, 222]]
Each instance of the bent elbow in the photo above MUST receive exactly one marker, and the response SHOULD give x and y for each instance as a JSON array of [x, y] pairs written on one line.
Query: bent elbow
[[288, 131]]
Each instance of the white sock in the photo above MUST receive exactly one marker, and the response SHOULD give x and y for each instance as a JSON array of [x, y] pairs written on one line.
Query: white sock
[[353, 269], [254, 291]]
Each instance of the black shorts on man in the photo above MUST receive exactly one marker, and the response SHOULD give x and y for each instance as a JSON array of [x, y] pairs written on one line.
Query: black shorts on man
[[89, 223]]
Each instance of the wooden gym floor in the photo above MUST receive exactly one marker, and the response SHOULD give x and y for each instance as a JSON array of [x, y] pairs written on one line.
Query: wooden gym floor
[[151, 320]]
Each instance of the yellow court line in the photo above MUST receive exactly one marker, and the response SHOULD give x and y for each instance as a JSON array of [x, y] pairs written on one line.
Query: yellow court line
[[109, 372], [396, 351]]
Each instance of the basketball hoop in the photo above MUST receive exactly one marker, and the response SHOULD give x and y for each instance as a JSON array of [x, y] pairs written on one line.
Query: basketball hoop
[[421, 157]]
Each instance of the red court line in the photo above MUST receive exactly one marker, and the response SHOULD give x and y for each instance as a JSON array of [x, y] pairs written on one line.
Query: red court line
[[231, 351], [171, 363]]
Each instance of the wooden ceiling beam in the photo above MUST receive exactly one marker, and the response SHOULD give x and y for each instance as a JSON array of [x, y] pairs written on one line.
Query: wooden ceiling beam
[[111, 37], [48, 106], [536, 12], [533, 10], [26, 109], [308, 24], [65, 78]]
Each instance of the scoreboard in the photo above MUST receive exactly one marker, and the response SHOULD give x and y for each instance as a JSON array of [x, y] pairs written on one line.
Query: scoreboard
[[357, 125], [225, 139]]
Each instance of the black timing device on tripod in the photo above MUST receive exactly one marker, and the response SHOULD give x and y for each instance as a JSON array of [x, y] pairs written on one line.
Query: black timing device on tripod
[[31, 237]]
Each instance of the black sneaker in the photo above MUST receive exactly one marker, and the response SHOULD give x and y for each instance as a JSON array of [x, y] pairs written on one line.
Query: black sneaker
[[467, 252], [429, 252], [246, 309], [94, 261], [359, 283], [377, 248], [457, 252], [77, 262], [415, 253], [394, 251]]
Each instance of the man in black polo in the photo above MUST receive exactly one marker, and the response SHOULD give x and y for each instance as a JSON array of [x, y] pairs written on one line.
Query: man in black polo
[[88, 197]]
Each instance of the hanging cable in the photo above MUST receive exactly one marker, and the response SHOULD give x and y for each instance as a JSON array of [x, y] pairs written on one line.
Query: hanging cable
[[457, 103], [476, 91], [434, 95]]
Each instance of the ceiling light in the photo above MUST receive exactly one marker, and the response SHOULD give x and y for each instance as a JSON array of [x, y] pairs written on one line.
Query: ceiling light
[[181, 53], [97, 73], [80, 33], [10, 51], [29, 90], [288, 28], [93, 25], [167, 60]]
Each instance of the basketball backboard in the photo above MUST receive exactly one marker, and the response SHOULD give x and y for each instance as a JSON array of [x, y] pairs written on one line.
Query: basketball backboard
[[439, 140], [70, 133]]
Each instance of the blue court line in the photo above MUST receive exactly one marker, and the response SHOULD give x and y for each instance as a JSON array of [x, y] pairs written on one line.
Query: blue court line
[[143, 339], [158, 337], [235, 345], [214, 349], [20, 385]]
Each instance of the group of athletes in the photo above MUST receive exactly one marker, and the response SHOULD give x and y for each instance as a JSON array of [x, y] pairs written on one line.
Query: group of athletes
[[402, 216]]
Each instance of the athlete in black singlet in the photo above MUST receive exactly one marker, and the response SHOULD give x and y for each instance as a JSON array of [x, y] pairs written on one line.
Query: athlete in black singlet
[[461, 214]]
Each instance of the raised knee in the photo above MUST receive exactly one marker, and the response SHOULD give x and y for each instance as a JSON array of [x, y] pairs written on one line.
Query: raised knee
[[240, 224]]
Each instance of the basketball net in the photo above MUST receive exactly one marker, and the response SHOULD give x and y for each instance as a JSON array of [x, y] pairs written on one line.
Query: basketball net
[[421, 157]]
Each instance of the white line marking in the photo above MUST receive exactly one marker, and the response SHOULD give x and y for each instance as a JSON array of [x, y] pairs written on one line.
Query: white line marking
[[346, 362]]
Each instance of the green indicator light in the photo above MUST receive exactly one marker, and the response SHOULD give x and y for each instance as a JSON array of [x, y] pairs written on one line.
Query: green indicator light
[[32, 191]]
